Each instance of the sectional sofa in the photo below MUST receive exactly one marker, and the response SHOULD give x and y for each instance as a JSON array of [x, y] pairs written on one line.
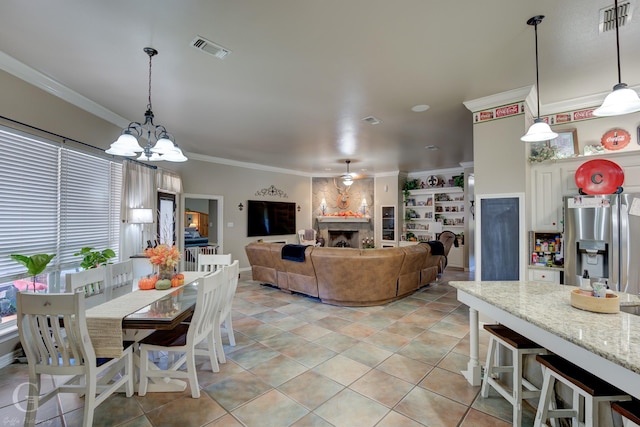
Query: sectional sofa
[[349, 276]]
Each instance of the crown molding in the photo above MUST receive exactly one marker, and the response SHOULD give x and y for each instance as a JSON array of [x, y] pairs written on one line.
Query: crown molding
[[39, 80], [503, 98]]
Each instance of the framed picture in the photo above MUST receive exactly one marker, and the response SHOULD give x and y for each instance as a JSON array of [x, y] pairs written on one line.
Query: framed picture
[[566, 143]]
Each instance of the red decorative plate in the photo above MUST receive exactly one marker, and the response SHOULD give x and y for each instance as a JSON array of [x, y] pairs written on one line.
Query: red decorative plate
[[599, 176]]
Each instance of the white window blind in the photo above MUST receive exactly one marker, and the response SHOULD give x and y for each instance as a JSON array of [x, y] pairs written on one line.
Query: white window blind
[[28, 200], [54, 200]]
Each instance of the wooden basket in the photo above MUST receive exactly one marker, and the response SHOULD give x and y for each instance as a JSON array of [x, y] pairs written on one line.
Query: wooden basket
[[610, 304]]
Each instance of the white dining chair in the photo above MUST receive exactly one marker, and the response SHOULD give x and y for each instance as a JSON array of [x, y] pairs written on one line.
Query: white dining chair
[[54, 336], [91, 283], [119, 279], [210, 262], [223, 321], [185, 337]]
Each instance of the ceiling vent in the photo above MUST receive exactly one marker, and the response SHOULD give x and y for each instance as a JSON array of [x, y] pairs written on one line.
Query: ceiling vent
[[372, 120], [608, 17], [210, 47]]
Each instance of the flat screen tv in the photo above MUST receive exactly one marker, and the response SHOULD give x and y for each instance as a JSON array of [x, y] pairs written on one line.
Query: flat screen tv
[[270, 218]]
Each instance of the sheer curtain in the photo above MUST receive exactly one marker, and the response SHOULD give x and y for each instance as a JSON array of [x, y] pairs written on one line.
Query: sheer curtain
[[138, 191]]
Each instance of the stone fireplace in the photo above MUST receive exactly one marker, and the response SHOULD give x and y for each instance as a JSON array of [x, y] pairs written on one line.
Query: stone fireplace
[[343, 238], [344, 231]]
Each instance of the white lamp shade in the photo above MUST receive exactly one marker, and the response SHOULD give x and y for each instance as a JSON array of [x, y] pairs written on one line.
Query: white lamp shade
[[155, 157], [175, 155], [539, 131], [141, 216], [129, 141], [621, 101], [163, 146], [323, 203], [119, 150], [347, 181]]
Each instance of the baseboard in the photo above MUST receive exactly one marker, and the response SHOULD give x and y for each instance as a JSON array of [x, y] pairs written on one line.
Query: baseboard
[[6, 359]]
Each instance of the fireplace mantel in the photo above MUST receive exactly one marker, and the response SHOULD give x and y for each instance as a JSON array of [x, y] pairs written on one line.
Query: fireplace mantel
[[341, 219]]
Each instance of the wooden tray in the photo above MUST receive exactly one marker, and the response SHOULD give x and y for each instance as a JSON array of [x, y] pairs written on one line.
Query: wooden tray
[[610, 304]]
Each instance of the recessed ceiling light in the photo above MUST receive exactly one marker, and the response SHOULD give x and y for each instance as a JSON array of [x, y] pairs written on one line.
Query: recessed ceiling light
[[420, 108], [432, 147], [372, 120]]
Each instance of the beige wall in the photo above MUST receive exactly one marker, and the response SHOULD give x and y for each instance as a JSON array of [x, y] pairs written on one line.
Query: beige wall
[[499, 156], [25, 103], [237, 185]]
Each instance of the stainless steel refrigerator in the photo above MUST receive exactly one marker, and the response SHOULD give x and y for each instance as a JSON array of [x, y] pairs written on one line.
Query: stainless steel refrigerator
[[602, 237]]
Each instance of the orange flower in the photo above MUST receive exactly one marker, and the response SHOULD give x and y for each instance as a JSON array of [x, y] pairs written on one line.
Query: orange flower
[[163, 255]]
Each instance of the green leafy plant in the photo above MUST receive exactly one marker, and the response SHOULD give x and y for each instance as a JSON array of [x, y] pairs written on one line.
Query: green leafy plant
[[35, 263], [411, 184], [458, 181], [94, 259]]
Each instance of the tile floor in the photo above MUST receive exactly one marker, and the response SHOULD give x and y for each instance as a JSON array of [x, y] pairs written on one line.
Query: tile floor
[[299, 362]]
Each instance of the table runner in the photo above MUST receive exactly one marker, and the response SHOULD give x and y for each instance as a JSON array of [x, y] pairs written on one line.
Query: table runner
[[104, 322]]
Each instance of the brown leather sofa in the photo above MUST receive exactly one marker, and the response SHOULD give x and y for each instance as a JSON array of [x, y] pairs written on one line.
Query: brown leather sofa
[[349, 276]]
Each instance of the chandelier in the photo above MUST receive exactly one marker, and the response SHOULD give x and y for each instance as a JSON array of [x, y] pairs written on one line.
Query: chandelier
[[160, 145]]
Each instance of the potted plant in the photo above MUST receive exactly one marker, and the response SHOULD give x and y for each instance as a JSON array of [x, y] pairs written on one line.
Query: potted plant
[[35, 264], [94, 259], [458, 180]]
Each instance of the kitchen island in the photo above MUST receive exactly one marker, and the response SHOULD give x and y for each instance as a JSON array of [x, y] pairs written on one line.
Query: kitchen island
[[607, 345]]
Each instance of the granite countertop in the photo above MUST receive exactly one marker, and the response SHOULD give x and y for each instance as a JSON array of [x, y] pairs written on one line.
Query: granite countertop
[[615, 337]]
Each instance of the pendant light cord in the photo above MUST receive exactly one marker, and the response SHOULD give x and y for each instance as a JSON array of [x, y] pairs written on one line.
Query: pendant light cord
[[537, 72], [149, 105], [617, 42]]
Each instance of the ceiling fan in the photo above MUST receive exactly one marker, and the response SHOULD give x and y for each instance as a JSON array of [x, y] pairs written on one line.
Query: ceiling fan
[[347, 178]]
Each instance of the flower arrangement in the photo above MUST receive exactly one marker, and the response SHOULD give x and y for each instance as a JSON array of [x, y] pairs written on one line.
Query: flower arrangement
[[163, 255], [542, 152]]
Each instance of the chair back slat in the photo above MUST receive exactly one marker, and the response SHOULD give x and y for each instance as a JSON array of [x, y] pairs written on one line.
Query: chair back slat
[[119, 279], [207, 303], [52, 329], [231, 274], [91, 283], [208, 263]]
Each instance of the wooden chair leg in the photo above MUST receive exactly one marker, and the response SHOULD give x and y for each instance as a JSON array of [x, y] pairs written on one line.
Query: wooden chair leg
[[228, 326]]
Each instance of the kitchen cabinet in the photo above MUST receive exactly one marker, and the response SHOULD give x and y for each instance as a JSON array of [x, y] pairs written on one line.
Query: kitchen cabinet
[[197, 220], [547, 198], [544, 275]]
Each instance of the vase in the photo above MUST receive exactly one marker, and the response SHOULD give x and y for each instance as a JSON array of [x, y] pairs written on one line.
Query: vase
[[165, 272]]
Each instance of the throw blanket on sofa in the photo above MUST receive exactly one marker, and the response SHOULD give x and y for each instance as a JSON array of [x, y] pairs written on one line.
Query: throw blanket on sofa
[[437, 248], [293, 252]]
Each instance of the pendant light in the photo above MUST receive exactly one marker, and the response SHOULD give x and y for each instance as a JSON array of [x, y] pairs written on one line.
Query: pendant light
[[160, 144], [539, 130], [622, 100]]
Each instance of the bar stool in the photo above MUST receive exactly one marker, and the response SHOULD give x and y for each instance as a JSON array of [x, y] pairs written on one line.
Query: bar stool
[[519, 347], [582, 383], [630, 411]]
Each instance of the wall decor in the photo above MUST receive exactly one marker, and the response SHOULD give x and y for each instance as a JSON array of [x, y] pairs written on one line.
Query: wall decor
[[271, 191], [615, 139], [566, 144]]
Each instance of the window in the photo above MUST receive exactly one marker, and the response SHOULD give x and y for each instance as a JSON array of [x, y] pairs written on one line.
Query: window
[[53, 200], [166, 218]]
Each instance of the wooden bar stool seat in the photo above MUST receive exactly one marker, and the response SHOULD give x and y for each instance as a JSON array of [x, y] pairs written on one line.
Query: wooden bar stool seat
[[521, 388], [583, 384], [630, 411]]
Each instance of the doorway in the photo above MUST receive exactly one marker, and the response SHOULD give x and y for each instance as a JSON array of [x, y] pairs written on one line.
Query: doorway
[[204, 211]]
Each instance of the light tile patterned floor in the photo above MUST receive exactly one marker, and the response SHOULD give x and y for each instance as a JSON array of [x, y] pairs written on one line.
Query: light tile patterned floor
[[299, 362]]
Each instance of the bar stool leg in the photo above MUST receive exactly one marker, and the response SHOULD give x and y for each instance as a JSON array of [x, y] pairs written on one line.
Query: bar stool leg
[[488, 369], [546, 393], [517, 389]]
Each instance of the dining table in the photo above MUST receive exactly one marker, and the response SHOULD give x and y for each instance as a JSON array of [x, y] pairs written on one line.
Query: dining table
[[136, 314], [605, 344]]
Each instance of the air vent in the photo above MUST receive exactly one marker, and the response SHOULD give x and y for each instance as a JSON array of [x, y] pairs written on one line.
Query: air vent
[[210, 47], [608, 17], [372, 120]]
